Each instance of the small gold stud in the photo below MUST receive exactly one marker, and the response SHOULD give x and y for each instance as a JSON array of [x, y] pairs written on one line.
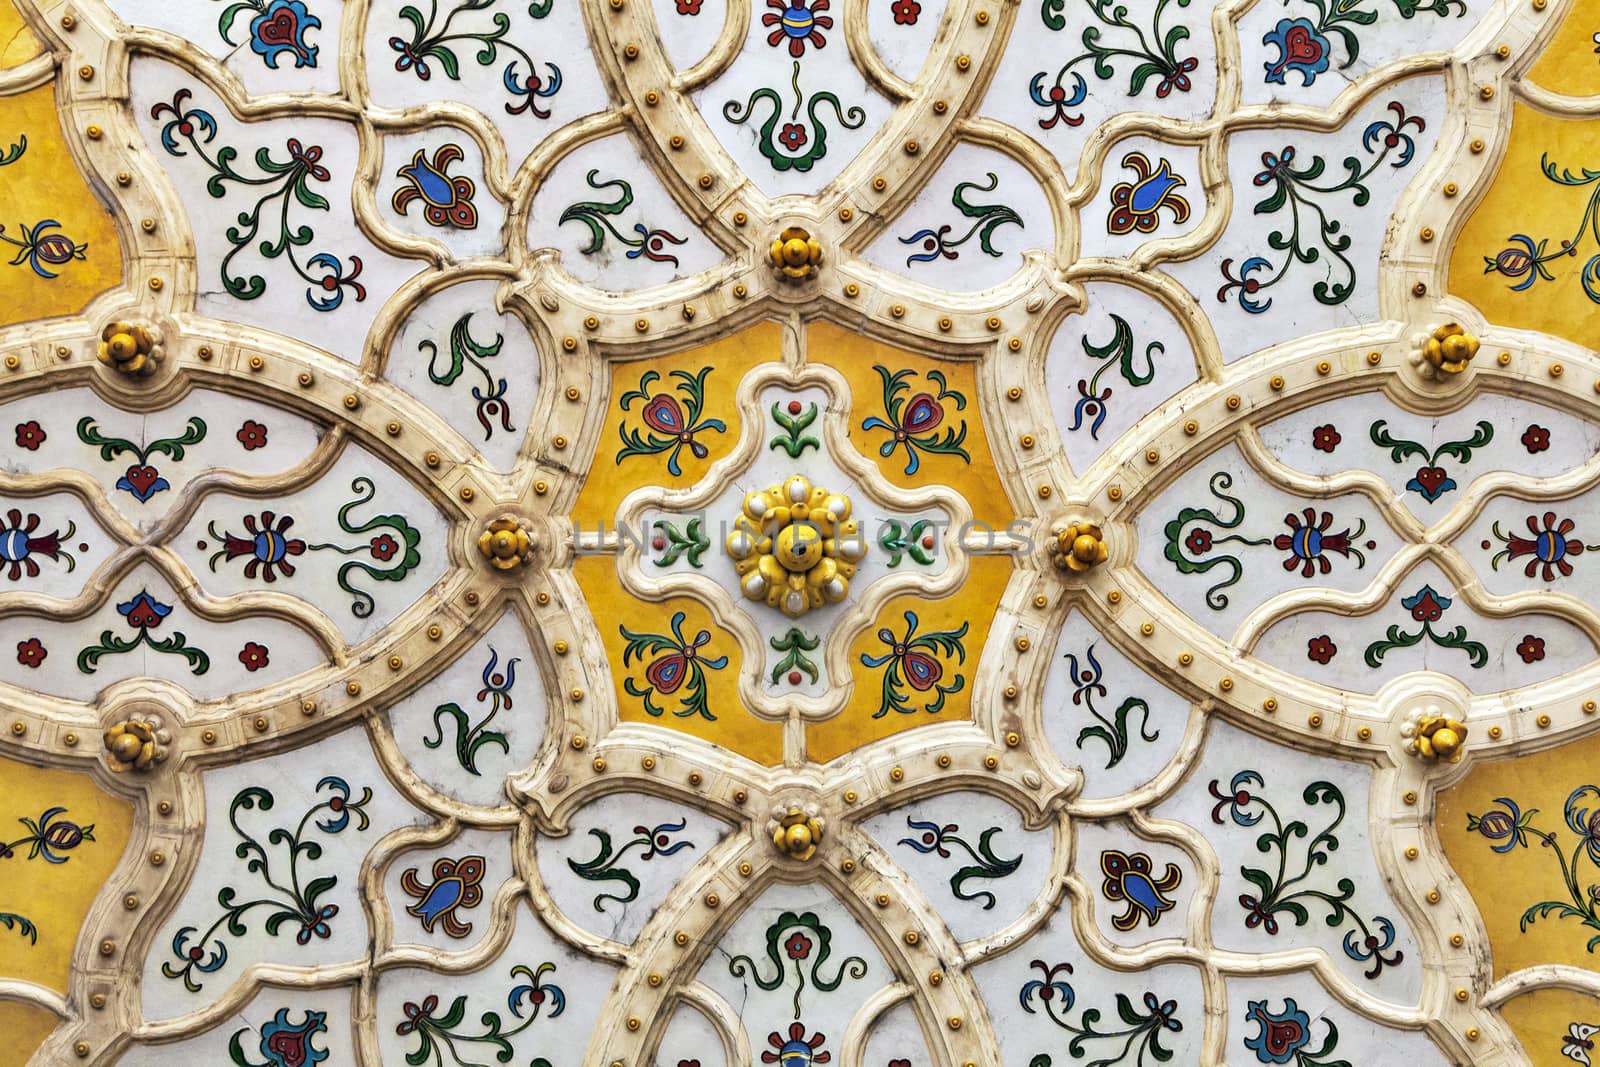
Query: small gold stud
[[991, 762]]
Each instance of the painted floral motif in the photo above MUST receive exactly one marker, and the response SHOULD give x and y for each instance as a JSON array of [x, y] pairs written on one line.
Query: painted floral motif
[[1129, 878], [794, 422], [141, 480], [788, 150], [277, 27], [254, 656], [471, 736], [804, 952], [797, 1049], [432, 41], [913, 422], [43, 250], [31, 652], [455, 885], [917, 660], [794, 645], [282, 1043], [1285, 1036], [1312, 234], [21, 541], [1135, 1041], [1427, 607], [936, 839], [15, 151], [1137, 205], [606, 864], [898, 540], [905, 12], [1305, 47], [288, 898], [142, 614], [1431, 480], [986, 218], [672, 424], [1153, 49], [30, 435], [1525, 261], [1309, 542], [1579, 1041], [1508, 827], [1112, 730], [391, 554], [676, 664], [447, 200], [281, 185], [251, 435], [649, 242], [1285, 893], [48, 837], [492, 407], [799, 23], [690, 543], [1091, 407], [1321, 649], [440, 1034], [1550, 549]]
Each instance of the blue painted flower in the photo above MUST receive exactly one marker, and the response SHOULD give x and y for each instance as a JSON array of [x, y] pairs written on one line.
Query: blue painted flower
[[1130, 878], [1585, 822], [1281, 1034], [1300, 49], [1236, 799], [144, 611], [42, 250], [287, 1044], [340, 806], [534, 88], [1426, 605], [281, 27], [1509, 827]]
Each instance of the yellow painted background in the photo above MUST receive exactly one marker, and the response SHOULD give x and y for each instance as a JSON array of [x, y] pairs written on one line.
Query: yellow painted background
[[854, 356], [1522, 200], [45, 184], [56, 896], [611, 479], [975, 603], [17, 42]]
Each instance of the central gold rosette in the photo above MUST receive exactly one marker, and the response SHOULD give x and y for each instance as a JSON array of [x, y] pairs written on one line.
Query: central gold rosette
[[795, 546]]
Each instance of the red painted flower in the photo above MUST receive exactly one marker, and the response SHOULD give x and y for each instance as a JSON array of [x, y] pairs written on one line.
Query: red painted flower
[[1199, 541], [30, 435], [252, 435], [31, 653], [798, 946], [1531, 649], [384, 547], [308, 157], [792, 136], [797, 23], [415, 1013], [1535, 439], [688, 7], [1321, 649], [253, 656], [905, 12], [1325, 438]]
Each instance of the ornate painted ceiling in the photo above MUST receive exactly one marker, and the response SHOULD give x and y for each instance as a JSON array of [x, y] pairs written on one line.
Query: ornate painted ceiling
[[889, 533]]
